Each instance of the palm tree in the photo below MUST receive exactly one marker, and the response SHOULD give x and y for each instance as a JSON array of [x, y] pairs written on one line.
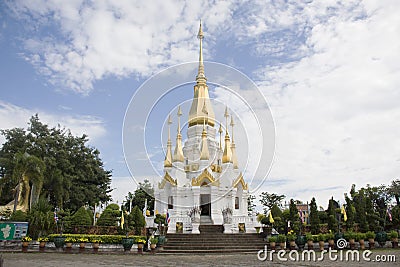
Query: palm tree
[[28, 170]]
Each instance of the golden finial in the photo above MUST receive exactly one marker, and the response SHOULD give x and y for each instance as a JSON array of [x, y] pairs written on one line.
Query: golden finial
[[220, 136], [201, 77], [168, 156], [226, 115], [227, 156], [179, 119], [178, 153]]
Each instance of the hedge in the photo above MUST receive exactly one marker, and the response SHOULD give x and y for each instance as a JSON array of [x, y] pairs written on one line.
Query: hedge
[[105, 239]]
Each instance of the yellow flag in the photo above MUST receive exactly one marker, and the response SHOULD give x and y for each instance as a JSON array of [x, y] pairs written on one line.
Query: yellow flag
[[344, 213], [156, 212], [271, 220], [122, 219], [147, 213]]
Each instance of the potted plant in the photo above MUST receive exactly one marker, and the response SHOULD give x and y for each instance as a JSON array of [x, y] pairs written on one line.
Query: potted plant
[[291, 237], [371, 239], [42, 241], [272, 242], [281, 239], [96, 243], [153, 242], [331, 239], [321, 241], [310, 241], [82, 242], [59, 241], [140, 241], [360, 237], [160, 220], [301, 241], [394, 237], [381, 237], [68, 242], [25, 243], [350, 237]]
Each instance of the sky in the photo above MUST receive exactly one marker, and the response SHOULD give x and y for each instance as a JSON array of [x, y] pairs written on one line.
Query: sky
[[329, 71]]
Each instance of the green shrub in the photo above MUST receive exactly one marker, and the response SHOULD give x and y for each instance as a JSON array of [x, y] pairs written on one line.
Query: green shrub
[[360, 236], [329, 236], [321, 237], [370, 235], [281, 238], [272, 239], [349, 235], [309, 237], [81, 217], [393, 234], [154, 240]]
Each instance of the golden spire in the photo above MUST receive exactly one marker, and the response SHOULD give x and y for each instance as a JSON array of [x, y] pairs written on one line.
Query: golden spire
[[201, 77], [178, 154], [168, 156], [227, 156], [204, 154], [201, 96], [233, 148], [220, 136]]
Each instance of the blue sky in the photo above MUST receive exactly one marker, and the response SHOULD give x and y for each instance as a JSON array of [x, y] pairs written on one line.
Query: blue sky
[[329, 71]]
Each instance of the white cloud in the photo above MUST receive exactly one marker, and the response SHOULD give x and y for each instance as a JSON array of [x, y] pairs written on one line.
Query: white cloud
[[12, 116], [92, 40], [336, 109]]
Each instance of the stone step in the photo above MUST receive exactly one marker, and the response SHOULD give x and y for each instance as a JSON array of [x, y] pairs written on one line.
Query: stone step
[[211, 228], [208, 251]]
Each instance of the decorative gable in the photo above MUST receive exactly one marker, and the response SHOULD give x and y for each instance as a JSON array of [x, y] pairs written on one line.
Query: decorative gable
[[240, 180], [169, 179], [205, 177]]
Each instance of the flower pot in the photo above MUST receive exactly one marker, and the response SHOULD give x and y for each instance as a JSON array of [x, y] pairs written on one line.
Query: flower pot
[[42, 244], [282, 245], [95, 245], [292, 245], [82, 245], [371, 243], [127, 243], [301, 241], [272, 245], [331, 243], [362, 244], [352, 243], [381, 237], [310, 244], [153, 246], [59, 241], [25, 245], [140, 248], [321, 245]]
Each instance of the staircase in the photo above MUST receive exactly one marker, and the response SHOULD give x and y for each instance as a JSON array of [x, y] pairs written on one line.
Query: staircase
[[212, 240]]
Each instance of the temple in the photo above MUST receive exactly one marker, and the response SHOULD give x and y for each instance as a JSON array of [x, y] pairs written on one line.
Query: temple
[[202, 181]]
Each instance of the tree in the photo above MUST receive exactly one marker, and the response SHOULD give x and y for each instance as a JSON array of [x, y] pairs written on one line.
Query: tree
[[350, 212], [394, 191], [138, 220], [314, 218], [268, 200], [331, 212], [144, 191], [41, 219], [81, 217], [294, 217], [74, 175], [110, 216], [27, 170]]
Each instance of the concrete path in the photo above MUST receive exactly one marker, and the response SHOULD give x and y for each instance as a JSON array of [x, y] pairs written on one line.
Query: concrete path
[[18, 259]]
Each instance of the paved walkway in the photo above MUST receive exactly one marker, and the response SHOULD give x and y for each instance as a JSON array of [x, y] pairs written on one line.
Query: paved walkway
[[19, 259]]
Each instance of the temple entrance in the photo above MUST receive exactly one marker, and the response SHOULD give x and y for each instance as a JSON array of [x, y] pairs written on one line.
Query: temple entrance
[[205, 204]]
